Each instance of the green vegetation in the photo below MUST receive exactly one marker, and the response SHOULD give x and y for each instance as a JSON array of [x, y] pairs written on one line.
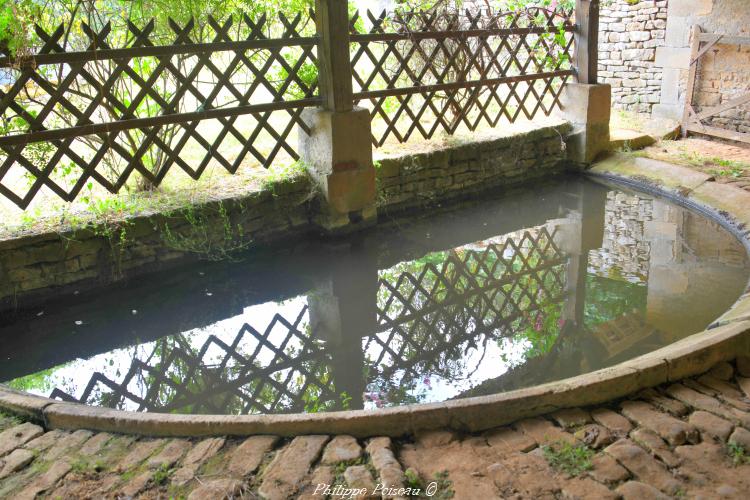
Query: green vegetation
[[162, 474], [717, 166], [571, 459], [737, 454]]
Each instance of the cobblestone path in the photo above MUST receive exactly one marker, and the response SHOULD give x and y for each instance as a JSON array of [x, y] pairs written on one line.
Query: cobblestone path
[[683, 440]]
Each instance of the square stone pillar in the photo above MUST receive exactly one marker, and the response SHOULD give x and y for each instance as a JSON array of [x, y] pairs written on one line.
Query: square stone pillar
[[588, 108], [338, 155]]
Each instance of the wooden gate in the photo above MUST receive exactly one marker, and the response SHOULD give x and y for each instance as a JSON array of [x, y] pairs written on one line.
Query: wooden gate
[[692, 121]]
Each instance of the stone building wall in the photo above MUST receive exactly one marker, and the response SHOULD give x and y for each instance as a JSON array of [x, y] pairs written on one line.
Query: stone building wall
[[628, 38], [724, 71], [37, 266]]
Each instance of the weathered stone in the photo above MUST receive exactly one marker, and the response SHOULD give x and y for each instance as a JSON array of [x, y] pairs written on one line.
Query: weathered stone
[[744, 384], [321, 477], [136, 484], [358, 477], [595, 436], [722, 371], [543, 431], [586, 489], [656, 445], [507, 440], [524, 476], [140, 452], [613, 421], [249, 455], [15, 461], [676, 432], [571, 417], [45, 440], [634, 490], [387, 466], [195, 458], [605, 469], [743, 365], [16, 436], [707, 403], [169, 455], [711, 425], [643, 466], [724, 389], [429, 439], [341, 449], [285, 473], [95, 444], [669, 405], [45, 481], [218, 488], [741, 436], [67, 443]]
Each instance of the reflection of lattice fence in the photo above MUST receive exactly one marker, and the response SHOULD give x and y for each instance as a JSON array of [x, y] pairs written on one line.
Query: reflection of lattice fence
[[429, 313], [108, 110], [259, 372], [433, 311], [424, 72]]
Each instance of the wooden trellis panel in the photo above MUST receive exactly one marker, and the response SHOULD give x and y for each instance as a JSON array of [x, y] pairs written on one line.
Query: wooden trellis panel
[[692, 121], [423, 72], [103, 113]]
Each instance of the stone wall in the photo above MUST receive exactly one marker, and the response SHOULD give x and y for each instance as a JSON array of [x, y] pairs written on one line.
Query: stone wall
[[630, 33], [723, 75], [412, 180], [37, 266], [724, 71]]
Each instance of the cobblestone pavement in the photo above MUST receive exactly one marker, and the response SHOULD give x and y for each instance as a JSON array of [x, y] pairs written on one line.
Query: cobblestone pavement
[[683, 440]]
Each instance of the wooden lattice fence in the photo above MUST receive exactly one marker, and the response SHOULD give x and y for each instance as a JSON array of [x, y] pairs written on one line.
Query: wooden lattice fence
[[103, 113], [125, 107], [429, 72]]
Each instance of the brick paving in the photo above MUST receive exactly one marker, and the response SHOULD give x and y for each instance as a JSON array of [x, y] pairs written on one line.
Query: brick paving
[[682, 440]]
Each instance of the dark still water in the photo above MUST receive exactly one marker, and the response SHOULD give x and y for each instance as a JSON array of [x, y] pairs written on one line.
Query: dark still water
[[501, 293]]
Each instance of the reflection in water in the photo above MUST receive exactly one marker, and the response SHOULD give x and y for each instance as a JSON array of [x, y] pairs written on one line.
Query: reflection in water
[[581, 277]]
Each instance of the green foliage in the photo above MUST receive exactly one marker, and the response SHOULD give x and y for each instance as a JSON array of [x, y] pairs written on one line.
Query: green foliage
[[611, 298], [15, 22], [413, 480], [210, 233], [444, 486], [738, 454], [571, 459], [162, 474], [37, 382]]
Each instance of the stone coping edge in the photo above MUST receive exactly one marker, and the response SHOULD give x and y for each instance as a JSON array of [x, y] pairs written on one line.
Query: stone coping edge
[[685, 358]]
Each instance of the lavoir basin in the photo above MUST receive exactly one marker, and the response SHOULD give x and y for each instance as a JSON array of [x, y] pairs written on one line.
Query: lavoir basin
[[508, 291]]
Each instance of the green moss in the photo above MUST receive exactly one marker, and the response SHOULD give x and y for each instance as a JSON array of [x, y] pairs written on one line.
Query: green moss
[[571, 459]]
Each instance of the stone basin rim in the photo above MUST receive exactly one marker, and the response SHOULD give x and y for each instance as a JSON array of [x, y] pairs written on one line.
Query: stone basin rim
[[724, 340]]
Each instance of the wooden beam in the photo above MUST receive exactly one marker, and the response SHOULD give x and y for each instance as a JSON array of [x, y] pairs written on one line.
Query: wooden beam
[[334, 63], [587, 41], [728, 40], [694, 49], [719, 132], [739, 101]]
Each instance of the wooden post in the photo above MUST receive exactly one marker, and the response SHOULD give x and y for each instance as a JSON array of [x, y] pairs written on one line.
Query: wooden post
[[695, 45], [587, 41], [335, 77]]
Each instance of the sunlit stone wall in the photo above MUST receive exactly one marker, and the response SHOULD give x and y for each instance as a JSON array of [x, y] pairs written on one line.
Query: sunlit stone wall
[[629, 34]]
